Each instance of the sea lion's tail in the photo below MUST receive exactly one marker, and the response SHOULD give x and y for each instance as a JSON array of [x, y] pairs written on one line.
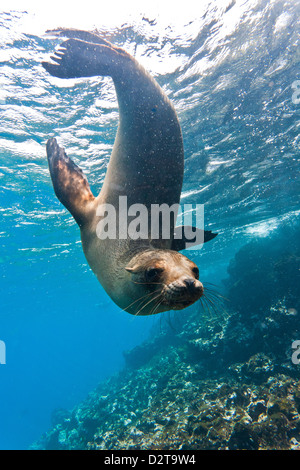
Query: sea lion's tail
[[84, 54]]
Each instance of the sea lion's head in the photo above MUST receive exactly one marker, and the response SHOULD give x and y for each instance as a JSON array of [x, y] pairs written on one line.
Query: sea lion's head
[[162, 280]]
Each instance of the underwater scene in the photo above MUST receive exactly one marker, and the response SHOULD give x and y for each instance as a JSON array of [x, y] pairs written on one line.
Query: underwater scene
[[178, 347]]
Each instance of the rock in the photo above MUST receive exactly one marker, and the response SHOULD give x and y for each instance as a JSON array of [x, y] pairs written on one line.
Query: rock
[[223, 382]]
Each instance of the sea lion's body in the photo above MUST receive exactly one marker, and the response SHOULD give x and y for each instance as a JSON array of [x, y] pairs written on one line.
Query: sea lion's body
[[146, 167]]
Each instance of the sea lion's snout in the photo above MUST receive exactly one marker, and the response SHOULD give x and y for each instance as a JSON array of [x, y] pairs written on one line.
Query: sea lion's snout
[[183, 292], [194, 287]]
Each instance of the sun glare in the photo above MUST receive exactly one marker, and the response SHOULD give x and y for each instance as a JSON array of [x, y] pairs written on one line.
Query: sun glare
[[114, 13]]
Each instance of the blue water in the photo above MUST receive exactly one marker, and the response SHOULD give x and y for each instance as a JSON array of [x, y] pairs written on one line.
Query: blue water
[[229, 68]]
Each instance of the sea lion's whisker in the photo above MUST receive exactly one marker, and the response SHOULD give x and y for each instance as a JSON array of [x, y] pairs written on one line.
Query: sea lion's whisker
[[211, 303], [211, 310], [214, 297], [170, 323], [216, 303], [153, 311], [206, 309], [205, 306], [145, 305], [147, 283], [215, 293], [140, 298], [211, 284]]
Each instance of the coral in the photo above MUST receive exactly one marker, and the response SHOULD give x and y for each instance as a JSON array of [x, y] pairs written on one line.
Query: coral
[[196, 414]]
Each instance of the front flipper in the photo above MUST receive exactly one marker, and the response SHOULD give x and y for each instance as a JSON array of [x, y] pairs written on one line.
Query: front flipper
[[187, 236], [70, 184]]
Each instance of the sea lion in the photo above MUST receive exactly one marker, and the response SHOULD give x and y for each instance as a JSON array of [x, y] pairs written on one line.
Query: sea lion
[[146, 275]]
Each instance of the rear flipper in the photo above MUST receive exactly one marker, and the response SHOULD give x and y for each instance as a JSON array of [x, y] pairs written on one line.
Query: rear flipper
[[86, 54], [85, 57], [70, 184]]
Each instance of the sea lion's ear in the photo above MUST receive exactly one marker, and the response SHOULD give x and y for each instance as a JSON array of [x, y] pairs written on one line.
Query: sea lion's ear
[[187, 236], [130, 270], [133, 269]]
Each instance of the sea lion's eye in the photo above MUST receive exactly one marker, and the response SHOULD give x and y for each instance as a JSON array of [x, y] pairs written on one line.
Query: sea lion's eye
[[196, 272], [152, 274]]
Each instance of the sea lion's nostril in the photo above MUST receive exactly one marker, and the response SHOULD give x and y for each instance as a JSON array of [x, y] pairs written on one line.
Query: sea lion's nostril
[[194, 286], [190, 283]]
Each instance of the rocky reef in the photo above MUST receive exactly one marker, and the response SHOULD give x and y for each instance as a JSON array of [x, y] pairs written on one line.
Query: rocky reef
[[220, 381]]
